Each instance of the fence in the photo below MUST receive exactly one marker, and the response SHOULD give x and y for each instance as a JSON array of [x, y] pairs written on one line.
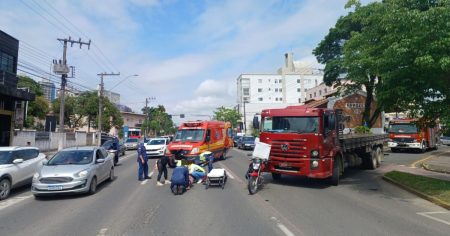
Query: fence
[[48, 141]]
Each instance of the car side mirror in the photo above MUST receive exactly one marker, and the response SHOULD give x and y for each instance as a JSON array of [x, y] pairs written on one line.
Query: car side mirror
[[101, 160], [18, 161]]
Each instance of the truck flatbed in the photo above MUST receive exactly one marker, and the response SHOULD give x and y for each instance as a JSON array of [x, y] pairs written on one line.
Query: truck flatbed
[[357, 141]]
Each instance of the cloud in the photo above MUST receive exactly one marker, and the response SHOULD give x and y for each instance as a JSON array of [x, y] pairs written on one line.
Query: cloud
[[201, 105], [212, 88]]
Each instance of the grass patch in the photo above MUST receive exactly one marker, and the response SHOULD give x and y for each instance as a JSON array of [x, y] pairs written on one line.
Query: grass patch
[[437, 188]]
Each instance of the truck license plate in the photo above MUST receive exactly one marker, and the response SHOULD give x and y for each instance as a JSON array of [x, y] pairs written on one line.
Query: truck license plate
[[55, 187]]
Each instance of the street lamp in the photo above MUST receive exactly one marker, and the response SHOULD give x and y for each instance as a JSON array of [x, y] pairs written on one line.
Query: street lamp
[[122, 81]]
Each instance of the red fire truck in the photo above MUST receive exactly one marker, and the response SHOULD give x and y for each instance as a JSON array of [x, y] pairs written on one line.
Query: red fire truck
[[407, 133], [309, 142]]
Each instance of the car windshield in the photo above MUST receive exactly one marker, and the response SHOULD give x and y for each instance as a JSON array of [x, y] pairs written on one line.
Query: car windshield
[[157, 142], [193, 135], [5, 157], [132, 140], [403, 128], [107, 144], [77, 157], [291, 124], [248, 139]]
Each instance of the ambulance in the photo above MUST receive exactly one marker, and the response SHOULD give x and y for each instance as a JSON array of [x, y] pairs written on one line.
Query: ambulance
[[195, 137]]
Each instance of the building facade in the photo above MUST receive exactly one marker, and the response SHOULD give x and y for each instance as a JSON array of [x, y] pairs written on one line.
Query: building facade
[[11, 112], [112, 96], [49, 90], [319, 92], [286, 87]]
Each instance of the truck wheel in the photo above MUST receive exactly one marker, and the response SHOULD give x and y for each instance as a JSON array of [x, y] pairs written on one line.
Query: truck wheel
[[276, 176], [372, 160], [423, 148], [379, 156], [334, 179]]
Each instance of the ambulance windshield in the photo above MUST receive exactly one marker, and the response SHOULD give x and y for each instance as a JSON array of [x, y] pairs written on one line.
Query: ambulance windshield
[[189, 135]]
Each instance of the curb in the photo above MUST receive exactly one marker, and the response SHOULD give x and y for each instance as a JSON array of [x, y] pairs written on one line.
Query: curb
[[429, 168], [422, 195]]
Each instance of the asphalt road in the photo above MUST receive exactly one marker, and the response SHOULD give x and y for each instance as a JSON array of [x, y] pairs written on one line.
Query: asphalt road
[[362, 205]]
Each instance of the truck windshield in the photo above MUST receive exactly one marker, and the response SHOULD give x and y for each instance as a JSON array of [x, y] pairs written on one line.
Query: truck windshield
[[290, 124], [403, 128], [191, 135]]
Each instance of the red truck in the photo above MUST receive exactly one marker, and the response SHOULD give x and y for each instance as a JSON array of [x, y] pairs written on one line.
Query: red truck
[[406, 133], [309, 142]]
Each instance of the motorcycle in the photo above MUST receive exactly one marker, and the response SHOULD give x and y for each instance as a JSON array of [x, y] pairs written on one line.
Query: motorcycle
[[254, 176]]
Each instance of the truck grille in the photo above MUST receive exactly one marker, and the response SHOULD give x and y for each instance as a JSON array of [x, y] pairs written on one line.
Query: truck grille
[[288, 148], [403, 140], [55, 180]]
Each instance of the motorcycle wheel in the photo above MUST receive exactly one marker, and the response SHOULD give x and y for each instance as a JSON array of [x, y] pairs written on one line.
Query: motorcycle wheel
[[252, 185]]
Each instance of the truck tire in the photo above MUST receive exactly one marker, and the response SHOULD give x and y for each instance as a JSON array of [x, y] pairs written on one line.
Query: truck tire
[[372, 160], [334, 179], [276, 176], [379, 155], [423, 147]]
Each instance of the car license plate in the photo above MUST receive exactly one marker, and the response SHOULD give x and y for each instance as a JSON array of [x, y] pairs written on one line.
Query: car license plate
[[284, 164], [55, 187]]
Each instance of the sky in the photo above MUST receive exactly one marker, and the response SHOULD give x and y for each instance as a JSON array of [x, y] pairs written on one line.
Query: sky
[[187, 53]]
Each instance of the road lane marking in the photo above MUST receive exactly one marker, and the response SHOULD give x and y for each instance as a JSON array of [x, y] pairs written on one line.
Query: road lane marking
[[229, 175], [9, 202], [428, 215], [144, 182], [282, 227], [102, 232]]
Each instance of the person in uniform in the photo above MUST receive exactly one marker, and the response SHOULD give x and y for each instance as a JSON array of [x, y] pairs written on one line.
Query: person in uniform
[[142, 162]]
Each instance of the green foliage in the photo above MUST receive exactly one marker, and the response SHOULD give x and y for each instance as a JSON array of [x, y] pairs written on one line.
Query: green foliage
[[37, 108], [27, 82], [158, 122], [398, 51], [362, 130], [227, 114]]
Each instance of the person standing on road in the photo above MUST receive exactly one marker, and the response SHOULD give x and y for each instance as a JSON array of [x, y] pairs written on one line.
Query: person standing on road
[[142, 161], [161, 164]]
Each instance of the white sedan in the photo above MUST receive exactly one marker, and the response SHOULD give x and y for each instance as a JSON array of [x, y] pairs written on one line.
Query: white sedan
[[445, 140], [156, 147], [17, 167]]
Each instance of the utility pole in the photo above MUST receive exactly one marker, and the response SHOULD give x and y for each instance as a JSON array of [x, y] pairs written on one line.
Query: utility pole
[[100, 106], [245, 120], [62, 69]]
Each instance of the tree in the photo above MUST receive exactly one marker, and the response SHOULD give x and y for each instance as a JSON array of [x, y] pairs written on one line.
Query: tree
[[397, 50], [158, 122], [227, 114], [37, 108]]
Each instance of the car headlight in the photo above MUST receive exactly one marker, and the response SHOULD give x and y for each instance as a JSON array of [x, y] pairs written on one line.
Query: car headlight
[[314, 153], [36, 177], [195, 150], [82, 174]]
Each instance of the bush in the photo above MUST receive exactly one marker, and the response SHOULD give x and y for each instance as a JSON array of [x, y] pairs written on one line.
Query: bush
[[362, 130]]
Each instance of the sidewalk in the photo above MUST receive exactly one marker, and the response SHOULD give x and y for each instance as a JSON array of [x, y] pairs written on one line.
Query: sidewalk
[[439, 163]]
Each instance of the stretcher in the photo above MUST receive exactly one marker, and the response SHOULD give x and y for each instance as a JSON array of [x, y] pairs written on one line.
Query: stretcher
[[217, 177]]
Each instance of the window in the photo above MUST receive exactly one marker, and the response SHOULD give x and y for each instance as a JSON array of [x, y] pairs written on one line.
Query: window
[[260, 99], [306, 90], [320, 92], [246, 91], [6, 62], [281, 90], [276, 81], [246, 99], [310, 95], [325, 90], [259, 81], [298, 81], [30, 154], [299, 100], [314, 94], [276, 99], [276, 90], [281, 99], [269, 89], [280, 81], [259, 90], [298, 89]]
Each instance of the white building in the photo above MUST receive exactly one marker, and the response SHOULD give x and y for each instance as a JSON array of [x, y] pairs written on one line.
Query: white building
[[319, 92], [112, 96], [286, 87]]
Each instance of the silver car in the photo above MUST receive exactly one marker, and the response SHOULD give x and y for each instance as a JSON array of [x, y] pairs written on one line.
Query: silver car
[[17, 166], [74, 170], [131, 143]]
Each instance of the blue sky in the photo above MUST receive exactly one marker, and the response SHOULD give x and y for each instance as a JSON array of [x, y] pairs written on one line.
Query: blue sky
[[188, 53]]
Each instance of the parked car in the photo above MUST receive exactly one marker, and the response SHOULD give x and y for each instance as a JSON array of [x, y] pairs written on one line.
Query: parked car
[[73, 170], [445, 140], [112, 146], [236, 140], [17, 166], [246, 142], [122, 148], [131, 143], [156, 147]]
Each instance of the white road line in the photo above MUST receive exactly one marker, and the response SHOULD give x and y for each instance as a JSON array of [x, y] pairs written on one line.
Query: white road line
[[102, 232], [12, 201], [427, 214], [144, 182], [283, 228], [229, 175]]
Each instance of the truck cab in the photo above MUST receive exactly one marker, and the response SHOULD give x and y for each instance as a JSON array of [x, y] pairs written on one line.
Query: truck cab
[[407, 133]]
